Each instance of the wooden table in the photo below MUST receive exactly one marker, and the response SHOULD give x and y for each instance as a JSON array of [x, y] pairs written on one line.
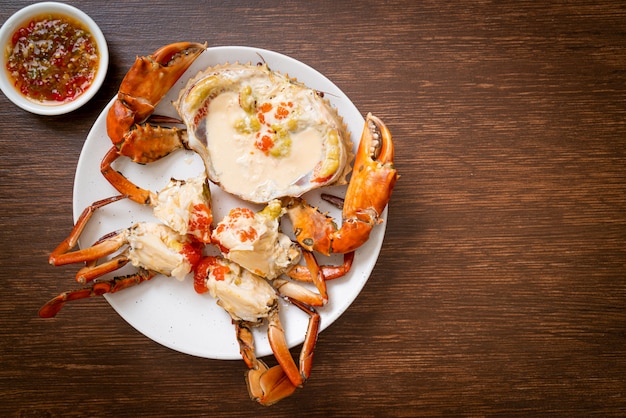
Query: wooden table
[[501, 285]]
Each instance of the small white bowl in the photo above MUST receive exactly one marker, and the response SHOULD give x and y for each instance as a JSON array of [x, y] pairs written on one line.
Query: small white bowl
[[23, 16]]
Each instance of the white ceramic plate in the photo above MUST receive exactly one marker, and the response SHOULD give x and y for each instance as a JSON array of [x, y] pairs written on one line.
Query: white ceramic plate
[[168, 311]]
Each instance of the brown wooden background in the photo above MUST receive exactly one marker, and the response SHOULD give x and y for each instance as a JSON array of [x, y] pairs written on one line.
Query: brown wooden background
[[500, 288]]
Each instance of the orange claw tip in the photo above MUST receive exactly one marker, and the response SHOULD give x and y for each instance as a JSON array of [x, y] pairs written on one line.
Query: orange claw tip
[[145, 83], [269, 387], [52, 308]]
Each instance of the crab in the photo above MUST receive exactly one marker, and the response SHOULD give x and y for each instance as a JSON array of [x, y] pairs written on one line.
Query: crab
[[265, 138], [185, 206], [171, 247], [153, 248], [248, 123], [254, 241], [250, 300], [142, 88], [246, 282]]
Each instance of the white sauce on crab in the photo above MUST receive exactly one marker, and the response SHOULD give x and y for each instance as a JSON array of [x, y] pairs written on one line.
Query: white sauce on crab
[[242, 167], [245, 296], [156, 247], [263, 135]]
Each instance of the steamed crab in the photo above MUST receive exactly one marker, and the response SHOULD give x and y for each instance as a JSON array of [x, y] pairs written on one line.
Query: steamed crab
[[244, 293], [154, 248], [265, 138]]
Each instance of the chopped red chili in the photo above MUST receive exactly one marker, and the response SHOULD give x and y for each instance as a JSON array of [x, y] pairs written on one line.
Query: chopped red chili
[[52, 58]]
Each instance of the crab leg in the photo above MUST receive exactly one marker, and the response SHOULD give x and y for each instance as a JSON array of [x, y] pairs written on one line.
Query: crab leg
[[265, 385], [369, 191], [153, 248], [60, 255], [143, 87], [52, 307], [269, 385], [92, 270], [308, 346], [120, 182], [295, 291], [303, 274]]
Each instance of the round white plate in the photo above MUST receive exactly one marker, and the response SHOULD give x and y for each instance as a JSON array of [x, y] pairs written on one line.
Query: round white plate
[[167, 310]]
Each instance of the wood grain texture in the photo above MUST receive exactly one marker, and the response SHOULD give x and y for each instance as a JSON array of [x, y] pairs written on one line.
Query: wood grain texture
[[500, 288]]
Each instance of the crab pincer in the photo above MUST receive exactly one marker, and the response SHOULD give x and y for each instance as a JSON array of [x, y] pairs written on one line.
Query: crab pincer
[[369, 191], [143, 87]]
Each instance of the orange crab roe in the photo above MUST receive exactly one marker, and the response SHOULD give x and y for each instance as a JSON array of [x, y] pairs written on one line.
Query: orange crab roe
[[266, 140], [206, 266]]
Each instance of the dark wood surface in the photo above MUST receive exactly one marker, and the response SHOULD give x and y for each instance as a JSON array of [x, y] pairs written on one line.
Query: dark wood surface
[[500, 288]]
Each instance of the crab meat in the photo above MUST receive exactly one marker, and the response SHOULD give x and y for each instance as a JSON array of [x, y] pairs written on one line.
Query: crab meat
[[263, 135], [244, 295], [253, 240], [185, 206], [156, 247]]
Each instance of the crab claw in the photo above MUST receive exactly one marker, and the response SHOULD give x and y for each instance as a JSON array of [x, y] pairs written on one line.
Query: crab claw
[[146, 83], [143, 87], [369, 191], [370, 188]]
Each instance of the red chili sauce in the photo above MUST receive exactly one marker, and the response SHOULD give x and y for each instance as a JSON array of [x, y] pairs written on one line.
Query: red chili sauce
[[53, 58]]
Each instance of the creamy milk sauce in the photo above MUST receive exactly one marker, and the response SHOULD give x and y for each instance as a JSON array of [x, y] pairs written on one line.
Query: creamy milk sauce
[[249, 169]]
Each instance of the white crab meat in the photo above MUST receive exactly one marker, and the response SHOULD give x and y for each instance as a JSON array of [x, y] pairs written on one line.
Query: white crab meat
[[263, 135], [244, 295], [185, 206], [253, 240], [154, 246]]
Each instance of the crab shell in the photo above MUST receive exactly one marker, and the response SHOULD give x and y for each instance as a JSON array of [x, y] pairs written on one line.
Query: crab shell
[[263, 135]]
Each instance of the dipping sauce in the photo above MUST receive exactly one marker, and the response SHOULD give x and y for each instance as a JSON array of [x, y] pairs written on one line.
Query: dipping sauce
[[52, 59]]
